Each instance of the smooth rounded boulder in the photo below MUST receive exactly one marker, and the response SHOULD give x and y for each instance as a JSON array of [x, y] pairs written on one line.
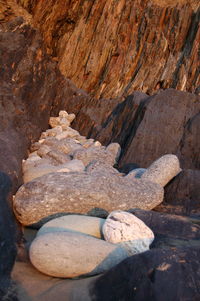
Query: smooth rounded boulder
[[127, 230], [77, 255], [79, 223], [82, 193]]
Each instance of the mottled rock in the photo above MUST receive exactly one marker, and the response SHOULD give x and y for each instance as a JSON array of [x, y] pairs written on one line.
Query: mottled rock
[[128, 231], [78, 223], [82, 193], [162, 170], [182, 194], [171, 274], [77, 255], [136, 173]]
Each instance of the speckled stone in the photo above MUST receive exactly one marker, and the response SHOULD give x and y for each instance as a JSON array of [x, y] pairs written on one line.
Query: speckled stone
[[81, 193], [127, 230], [162, 170]]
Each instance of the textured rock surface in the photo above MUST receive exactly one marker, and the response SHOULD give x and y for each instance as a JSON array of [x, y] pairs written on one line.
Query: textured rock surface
[[136, 173], [162, 170], [127, 230], [182, 194], [77, 255], [172, 274], [76, 32], [78, 223], [82, 193], [8, 238]]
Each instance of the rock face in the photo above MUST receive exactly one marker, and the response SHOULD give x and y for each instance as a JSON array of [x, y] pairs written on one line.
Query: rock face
[[78, 223], [75, 34], [125, 229], [8, 240], [182, 194], [82, 193], [77, 255], [152, 276]]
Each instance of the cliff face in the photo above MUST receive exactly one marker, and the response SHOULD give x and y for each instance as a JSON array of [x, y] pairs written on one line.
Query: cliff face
[[111, 48]]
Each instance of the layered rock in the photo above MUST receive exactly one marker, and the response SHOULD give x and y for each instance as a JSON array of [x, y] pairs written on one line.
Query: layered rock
[[149, 44]]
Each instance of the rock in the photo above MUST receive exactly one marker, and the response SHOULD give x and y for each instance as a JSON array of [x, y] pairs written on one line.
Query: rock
[[77, 255], [43, 169], [64, 120], [58, 156], [162, 170], [136, 173], [67, 133], [115, 149], [77, 223], [8, 239], [127, 230], [153, 125], [65, 145], [101, 168], [182, 194], [171, 274], [139, 64], [169, 225], [96, 153], [82, 193], [52, 132]]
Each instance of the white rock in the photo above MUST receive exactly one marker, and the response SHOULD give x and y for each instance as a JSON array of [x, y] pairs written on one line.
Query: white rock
[[162, 170], [70, 254], [127, 230], [79, 223]]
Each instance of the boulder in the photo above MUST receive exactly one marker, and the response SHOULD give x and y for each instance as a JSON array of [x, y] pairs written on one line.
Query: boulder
[[136, 173], [77, 255], [182, 194], [77, 223], [127, 230], [171, 274], [162, 170], [81, 193]]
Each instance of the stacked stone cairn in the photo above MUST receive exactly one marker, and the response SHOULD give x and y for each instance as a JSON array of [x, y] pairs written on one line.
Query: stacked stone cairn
[[69, 185]]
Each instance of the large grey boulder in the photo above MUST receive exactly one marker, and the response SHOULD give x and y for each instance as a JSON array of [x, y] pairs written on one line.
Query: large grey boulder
[[81, 193], [70, 254]]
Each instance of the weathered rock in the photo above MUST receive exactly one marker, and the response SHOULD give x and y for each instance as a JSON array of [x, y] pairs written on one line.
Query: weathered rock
[[77, 255], [149, 138], [171, 274], [51, 132], [182, 194], [77, 223], [149, 45], [127, 230], [43, 169], [101, 168], [8, 238], [136, 173], [81, 193], [162, 170], [97, 153]]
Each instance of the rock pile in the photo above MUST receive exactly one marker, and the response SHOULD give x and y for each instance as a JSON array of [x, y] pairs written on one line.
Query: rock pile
[[66, 173]]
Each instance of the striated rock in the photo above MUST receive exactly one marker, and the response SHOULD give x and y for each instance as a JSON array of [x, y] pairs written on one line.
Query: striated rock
[[125, 229], [155, 125], [82, 193], [77, 223], [133, 33], [152, 275], [162, 170], [182, 194], [77, 255]]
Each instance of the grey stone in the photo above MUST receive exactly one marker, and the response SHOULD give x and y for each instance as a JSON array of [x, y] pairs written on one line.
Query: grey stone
[[81, 193], [136, 173], [70, 254], [162, 170]]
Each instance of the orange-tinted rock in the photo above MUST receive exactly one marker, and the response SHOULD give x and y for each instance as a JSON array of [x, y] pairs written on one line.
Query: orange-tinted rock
[[111, 48]]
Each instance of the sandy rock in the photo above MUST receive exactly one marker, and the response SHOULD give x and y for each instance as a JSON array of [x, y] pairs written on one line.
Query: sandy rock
[[71, 166], [67, 133], [163, 170], [52, 132], [78, 223], [77, 255], [58, 156], [97, 167], [126, 229], [81, 193], [115, 149], [43, 150], [136, 173]]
